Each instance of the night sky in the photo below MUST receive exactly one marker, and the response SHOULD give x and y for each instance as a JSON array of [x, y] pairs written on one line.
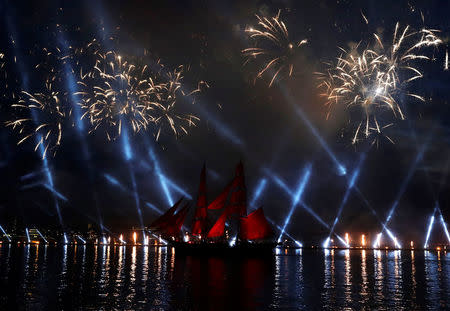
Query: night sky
[[240, 119]]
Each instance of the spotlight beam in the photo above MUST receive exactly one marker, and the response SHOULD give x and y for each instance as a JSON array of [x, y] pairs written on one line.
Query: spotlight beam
[[4, 232], [444, 225], [42, 236], [403, 187], [290, 99], [72, 87], [351, 183], [159, 174], [113, 181], [28, 235], [430, 227], [46, 186], [285, 232], [177, 188], [24, 83], [406, 181], [296, 199], [258, 191], [284, 187], [312, 213], [153, 207]]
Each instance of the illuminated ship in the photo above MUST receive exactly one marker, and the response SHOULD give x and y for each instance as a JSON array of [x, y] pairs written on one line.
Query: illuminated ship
[[233, 228]]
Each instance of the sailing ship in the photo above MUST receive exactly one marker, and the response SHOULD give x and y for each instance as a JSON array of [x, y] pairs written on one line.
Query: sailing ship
[[232, 229]]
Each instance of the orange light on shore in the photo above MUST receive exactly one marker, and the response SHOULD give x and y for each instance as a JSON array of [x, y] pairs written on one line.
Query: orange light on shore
[[347, 239], [363, 240], [135, 237], [412, 244]]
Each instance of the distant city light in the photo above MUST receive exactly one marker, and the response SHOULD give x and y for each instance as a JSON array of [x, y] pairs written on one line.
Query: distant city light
[[81, 239]]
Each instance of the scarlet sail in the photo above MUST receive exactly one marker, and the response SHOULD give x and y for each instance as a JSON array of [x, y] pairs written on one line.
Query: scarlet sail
[[238, 200], [236, 206], [198, 227], [218, 229], [255, 226], [166, 217], [233, 215], [221, 199], [173, 228]]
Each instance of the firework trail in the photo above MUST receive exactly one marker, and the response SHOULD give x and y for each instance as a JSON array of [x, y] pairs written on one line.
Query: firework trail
[[3, 76], [115, 91], [273, 47], [6, 92], [168, 111], [368, 82], [44, 114], [52, 113]]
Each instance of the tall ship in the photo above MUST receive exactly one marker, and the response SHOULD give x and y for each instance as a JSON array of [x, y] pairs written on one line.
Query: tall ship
[[220, 225]]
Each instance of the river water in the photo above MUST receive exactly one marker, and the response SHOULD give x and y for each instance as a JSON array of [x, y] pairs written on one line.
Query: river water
[[156, 278]]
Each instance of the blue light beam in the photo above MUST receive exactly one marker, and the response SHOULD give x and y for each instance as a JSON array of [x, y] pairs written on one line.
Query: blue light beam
[[284, 187], [296, 199], [258, 191], [405, 183], [160, 176], [430, 227], [28, 235], [444, 225], [42, 236], [4, 232], [351, 183], [341, 168], [299, 244]]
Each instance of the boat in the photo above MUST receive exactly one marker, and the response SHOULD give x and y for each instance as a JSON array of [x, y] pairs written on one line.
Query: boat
[[223, 226]]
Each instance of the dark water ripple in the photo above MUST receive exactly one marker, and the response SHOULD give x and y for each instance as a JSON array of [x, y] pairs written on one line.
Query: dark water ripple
[[151, 278]]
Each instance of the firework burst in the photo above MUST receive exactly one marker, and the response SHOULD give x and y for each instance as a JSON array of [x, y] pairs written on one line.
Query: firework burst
[[167, 105], [6, 93], [115, 92], [43, 116], [371, 81], [273, 47]]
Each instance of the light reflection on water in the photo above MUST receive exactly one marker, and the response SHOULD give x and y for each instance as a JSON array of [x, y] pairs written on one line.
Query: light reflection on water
[[143, 278]]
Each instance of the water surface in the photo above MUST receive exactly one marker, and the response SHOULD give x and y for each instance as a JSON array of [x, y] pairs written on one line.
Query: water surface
[[156, 278]]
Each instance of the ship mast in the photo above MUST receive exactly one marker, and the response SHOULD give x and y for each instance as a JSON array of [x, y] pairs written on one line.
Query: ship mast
[[199, 222]]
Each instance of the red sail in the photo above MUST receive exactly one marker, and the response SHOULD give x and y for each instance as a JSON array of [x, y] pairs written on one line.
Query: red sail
[[218, 229], [220, 200], [173, 228], [238, 201], [200, 213], [166, 217], [255, 226]]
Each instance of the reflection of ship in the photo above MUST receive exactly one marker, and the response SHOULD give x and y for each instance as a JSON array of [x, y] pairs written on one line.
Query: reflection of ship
[[232, 228]]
